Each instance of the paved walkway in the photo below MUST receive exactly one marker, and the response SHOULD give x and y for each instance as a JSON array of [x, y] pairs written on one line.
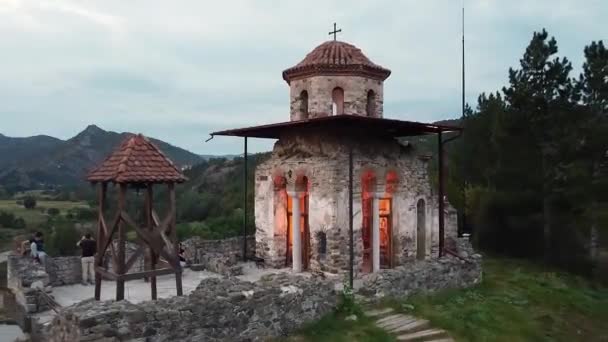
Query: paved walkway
[[406, 327]]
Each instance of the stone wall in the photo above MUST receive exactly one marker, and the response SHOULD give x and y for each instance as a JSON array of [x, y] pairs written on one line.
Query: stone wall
[[64, 270], [196, 247], [25, 277], [320, 88], [426, 276], [218, 310], [220, 263]]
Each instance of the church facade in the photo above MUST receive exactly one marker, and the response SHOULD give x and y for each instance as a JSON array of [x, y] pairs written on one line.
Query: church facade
[[302, 190]]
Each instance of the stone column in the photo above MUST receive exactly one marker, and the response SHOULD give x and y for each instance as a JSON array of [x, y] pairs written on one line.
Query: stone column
[[376, 232], [296, 247]]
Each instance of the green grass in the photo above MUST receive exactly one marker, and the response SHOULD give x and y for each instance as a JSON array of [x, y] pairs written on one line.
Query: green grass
[[518, 301], [36, 216], [334, 328]]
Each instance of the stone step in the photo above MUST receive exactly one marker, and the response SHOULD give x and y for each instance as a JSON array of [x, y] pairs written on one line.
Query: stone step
[[391, 319], [378, 312], [399, 322], [388, 318], [419, 335], [417, 325]]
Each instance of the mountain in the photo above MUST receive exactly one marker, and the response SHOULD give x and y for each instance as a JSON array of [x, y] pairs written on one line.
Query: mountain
[[39, 161]]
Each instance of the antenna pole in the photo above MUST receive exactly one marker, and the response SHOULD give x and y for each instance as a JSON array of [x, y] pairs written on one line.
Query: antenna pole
[[464, 159]]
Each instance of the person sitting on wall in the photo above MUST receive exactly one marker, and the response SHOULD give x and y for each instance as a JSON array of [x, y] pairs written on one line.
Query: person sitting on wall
[[87, 260], [37, 248]]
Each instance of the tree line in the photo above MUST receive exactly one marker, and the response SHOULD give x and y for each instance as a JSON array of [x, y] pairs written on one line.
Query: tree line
[[533, 159]]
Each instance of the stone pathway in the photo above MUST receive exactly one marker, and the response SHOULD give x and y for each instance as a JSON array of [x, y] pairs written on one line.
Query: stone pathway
[[406, 327]]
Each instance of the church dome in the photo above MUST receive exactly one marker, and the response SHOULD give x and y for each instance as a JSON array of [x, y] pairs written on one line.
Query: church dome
[[336, 58]]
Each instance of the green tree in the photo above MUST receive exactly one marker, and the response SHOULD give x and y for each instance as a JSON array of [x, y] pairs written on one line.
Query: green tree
[[29, 202]]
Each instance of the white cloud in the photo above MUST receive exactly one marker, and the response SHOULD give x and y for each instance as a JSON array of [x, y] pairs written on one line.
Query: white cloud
[[179, 69]]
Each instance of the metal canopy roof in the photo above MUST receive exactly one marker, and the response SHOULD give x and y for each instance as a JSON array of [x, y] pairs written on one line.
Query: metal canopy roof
[[345, 123]]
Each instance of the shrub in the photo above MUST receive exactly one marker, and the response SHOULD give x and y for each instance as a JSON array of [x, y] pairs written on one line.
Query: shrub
[[29, 202], [53, 212], [6, 219], [19, 223], [63, 239]]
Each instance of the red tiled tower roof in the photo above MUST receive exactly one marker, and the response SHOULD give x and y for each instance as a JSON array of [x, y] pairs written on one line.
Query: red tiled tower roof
[[336, 58], [136, 160]]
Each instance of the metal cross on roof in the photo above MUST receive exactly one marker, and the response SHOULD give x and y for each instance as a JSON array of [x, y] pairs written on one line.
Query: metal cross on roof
[[335, 32]]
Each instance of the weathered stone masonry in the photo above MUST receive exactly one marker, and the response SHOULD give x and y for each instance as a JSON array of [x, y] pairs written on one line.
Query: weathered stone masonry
[[323, 158], [218, 310]]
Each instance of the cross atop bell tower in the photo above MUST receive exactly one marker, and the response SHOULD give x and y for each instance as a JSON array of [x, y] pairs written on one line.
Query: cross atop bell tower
[[335, 32]]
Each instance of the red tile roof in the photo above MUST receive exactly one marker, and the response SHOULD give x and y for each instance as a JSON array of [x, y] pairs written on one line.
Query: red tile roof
[[336, 57], [136, 160]]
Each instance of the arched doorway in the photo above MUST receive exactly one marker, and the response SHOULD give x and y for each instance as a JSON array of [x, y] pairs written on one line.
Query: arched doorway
[[302, 189], [421, 230]]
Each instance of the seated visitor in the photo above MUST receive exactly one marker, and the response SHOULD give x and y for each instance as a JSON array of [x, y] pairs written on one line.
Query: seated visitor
[[37, 248]]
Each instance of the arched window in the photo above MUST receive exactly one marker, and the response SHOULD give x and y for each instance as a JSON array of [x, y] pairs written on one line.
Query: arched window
[[304, 104], [371, 103], [337, 101]]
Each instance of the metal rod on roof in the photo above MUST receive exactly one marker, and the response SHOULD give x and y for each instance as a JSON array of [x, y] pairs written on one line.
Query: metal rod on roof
[[441, 193]]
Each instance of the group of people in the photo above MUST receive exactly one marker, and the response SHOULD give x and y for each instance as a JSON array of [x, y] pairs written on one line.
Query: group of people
[[88, 247]]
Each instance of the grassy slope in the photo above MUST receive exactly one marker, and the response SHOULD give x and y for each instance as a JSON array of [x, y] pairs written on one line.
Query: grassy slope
[[33, 217], [517, 301]]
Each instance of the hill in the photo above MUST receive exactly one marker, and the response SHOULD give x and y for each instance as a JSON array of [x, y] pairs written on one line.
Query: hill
[[42, 161]]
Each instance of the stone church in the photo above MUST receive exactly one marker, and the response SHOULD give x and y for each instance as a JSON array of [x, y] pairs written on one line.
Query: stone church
[[302, 191]]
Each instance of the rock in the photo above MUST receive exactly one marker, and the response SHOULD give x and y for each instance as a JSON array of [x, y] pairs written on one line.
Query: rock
[[351, 318], [408, 307]]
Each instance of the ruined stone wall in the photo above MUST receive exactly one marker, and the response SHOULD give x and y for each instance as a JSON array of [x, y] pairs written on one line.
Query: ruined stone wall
[[323, 159], [25, 277], [64, 270], [195, 247], [319, 89], [426, 276], [218, 310]]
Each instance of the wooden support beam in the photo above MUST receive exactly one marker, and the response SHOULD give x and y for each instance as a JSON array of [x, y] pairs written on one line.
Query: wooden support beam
[[178, 275], [101, 197], [144, 274], [120, 283], [153, 240], [105, 273], [150, 224], [133, 258]]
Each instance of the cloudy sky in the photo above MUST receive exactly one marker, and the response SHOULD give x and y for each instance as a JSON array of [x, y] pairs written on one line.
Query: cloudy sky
[[177, 70]]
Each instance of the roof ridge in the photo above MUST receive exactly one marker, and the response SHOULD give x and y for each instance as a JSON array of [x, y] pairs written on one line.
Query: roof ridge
[[137, 160]]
